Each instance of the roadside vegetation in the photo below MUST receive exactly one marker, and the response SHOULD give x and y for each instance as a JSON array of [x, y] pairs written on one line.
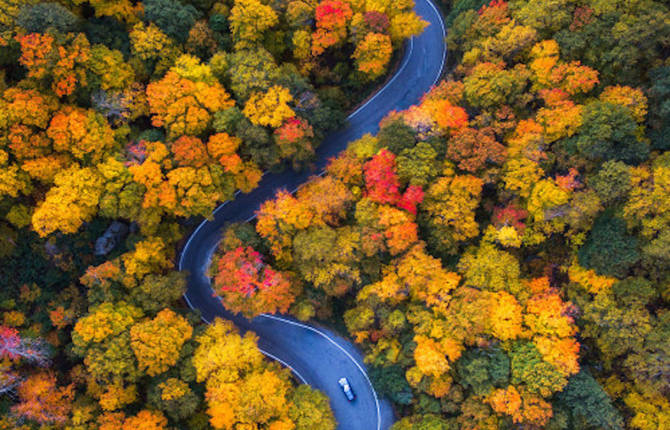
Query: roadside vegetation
[[122, 124], [500, 251]]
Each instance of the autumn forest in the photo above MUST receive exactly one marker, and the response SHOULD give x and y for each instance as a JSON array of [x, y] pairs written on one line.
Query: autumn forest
[[499, 252]]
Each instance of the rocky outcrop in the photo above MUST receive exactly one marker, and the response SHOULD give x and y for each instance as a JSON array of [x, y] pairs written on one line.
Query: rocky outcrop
[[114, 234]]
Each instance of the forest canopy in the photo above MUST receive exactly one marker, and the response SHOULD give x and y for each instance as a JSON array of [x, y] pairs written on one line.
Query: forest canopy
[[500, 252], [123, 123]]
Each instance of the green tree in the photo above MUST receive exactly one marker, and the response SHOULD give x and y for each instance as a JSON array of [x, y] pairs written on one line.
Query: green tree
[[527, 367], [483, 369], [659, 107], [390, 381], [396, 136], [609, 249], [622, 43], [611, 182], [609, 132], [423, 422], [42, 16], [172, 16], [587, 404]]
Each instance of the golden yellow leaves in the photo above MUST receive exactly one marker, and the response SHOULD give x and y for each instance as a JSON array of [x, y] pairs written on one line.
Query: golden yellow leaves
[[249, 19], [240, 387], [271, 108], [373, 54], [504, 316], [405, 25], [104, 321], [430, 357], [72, 201], [589, 279], [148, 42], [173, 388], [148, 256], [157, 342]]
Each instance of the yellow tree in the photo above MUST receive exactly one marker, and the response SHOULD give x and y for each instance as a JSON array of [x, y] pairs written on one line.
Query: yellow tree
[[405, 25], [222, 349], [110, 68], [632, 98], [520, 175], [249, 19], [150, 255], [648, 207], [149, 44], [72, 201], [504, 318], [102, 338], [241, 387], [425, 278], [9, 10], [279, 220], [123, 10], [373, 54], [270, 108], [186, 98], [157, 342], [26, 151], [449, 206], [545, 208]]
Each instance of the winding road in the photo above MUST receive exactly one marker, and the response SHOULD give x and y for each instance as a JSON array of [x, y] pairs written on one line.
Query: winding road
[[317, 356]]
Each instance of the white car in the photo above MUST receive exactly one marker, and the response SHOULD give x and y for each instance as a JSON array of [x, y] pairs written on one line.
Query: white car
[[344, 384]]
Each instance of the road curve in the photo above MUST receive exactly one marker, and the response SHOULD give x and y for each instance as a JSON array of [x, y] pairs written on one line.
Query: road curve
[[317, 356]]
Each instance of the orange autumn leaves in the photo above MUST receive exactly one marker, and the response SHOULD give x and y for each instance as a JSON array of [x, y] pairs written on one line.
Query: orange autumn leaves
[[61, 62], [42, 399], [199, 177], [85, 134], [185, 99], [331, 24], [522, 406]]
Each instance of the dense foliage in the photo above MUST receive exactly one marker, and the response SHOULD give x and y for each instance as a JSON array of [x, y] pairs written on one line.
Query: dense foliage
[[150, 113], [500, 251]]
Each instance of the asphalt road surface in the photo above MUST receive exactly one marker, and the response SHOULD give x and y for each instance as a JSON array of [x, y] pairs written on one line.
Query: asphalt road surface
[[317, 356]]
